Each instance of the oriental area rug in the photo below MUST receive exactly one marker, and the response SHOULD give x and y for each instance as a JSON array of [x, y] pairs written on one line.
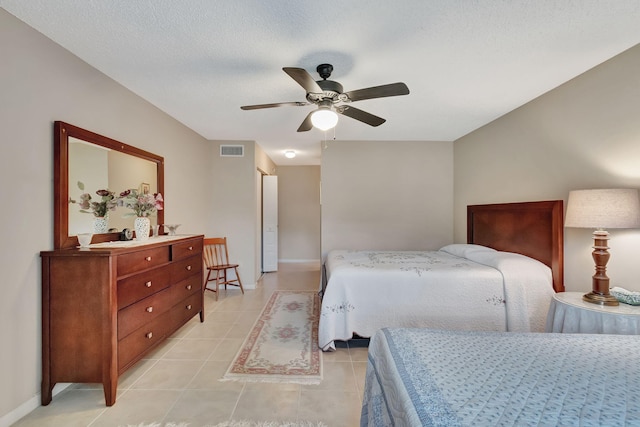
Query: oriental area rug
[[282, 346]]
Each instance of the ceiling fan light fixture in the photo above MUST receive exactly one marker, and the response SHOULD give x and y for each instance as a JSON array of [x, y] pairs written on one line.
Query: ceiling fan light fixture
[[324, 118], [289, 154]]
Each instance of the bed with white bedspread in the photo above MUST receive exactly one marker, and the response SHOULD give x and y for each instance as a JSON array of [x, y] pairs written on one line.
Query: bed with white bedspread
[[460, 286], [424, 377], [498, 281]]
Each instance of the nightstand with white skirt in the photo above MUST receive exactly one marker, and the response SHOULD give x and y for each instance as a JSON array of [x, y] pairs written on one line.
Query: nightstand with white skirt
[[568, 313]]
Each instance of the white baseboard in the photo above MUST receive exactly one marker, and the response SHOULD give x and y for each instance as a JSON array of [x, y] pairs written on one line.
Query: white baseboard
[[28, 406], [298, 260]]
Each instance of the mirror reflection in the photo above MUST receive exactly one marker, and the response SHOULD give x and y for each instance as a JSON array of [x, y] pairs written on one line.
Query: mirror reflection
[[86, 163], [94, 168]]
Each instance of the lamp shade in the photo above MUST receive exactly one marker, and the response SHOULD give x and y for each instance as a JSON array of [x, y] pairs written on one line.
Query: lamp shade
[[324, 118], [607, 208]]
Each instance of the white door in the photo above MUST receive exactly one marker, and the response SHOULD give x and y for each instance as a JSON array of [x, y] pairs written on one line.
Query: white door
[[269, 223]]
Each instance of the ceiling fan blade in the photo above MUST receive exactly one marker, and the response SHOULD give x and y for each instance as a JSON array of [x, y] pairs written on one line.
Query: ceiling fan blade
[[303, 78], [363, 116], [306, 124], [393, 89], [278, 104]]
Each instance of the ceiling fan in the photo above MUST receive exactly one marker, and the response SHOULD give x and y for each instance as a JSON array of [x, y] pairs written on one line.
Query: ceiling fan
[[328, 95]]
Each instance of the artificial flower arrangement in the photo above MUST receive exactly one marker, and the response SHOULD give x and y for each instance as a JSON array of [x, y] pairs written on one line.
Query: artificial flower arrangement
[[142, 205], [106, 203]]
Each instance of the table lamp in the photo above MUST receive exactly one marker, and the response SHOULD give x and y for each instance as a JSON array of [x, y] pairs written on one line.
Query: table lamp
[[602, 209]]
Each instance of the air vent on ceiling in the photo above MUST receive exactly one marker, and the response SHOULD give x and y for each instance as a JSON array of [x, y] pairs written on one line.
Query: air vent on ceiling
[[232, 151]]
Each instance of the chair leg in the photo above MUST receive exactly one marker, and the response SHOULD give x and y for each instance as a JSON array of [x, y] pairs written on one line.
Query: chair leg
[[207, 280], [217, 284], [239, 281], [221, 278]]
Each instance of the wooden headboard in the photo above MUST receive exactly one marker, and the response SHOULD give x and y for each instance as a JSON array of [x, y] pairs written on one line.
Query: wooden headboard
[[534, 229]]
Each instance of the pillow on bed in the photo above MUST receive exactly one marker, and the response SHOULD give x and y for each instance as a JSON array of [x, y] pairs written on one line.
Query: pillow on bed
[[511, 260], [463, 250]]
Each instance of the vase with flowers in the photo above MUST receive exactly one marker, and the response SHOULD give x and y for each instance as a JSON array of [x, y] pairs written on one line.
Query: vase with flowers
[[99, 208], [143, 205]]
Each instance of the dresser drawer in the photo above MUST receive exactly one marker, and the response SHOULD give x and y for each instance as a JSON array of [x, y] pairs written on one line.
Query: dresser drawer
[[185, 310], [186, 267], [136, 315], [186, 249], [183, 289], [142, 260], [136, 343], [134, 288]]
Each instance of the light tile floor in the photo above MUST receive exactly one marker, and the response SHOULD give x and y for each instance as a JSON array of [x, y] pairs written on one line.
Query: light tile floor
[[178, 382]]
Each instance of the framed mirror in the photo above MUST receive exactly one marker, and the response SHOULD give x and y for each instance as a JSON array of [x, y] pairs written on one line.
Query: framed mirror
[[85, 162]]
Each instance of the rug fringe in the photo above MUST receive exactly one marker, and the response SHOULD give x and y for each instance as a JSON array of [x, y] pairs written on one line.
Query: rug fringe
[[302, 381]]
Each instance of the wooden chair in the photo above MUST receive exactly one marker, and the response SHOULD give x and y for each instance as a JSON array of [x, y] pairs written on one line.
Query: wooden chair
[[216, 260]]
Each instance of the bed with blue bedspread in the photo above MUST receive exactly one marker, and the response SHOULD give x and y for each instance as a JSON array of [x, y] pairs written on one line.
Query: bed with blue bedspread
[[424, 377]]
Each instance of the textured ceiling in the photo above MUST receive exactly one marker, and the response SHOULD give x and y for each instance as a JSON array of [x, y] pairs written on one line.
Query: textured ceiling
[[465, 62]]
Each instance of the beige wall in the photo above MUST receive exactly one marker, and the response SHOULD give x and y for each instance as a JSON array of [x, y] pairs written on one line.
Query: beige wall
[[387, 195], [584, 134], [298, 213], [234, 211], [39, 83]]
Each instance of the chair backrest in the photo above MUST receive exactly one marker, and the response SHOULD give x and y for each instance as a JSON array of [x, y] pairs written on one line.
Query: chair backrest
[[214, 252]]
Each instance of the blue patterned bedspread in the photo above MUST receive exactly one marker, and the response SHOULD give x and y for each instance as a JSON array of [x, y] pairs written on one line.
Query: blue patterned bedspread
[[422, 377]]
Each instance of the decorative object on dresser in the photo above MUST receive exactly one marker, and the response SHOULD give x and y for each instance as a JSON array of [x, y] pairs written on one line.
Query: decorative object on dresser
[[85, 239], [216, 260], [105, 307], [143, 204], [600, 209], [172, 228], [142, 226]]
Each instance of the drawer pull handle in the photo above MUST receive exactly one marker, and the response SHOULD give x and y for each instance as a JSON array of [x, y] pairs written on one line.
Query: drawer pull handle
[[148, 258], [150, 309], [190, 248], [189, 307], [148, 284], [149, 335], [188, 268], [188, 287]]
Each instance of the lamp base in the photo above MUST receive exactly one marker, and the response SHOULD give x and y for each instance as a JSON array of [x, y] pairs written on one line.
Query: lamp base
[[600, 299]]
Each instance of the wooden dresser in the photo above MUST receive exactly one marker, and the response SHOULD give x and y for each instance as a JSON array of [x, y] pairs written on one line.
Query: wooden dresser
[[105, 307]]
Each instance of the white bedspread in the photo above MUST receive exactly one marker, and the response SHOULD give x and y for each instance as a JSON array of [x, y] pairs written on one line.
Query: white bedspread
[[463, 287], [422, 377]]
